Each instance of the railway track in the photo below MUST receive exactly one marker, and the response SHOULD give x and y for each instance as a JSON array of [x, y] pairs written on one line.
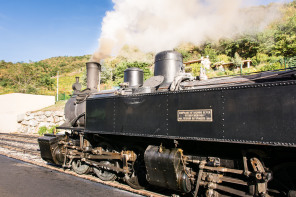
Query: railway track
[[26, 148], [19, 149], [22, 136]]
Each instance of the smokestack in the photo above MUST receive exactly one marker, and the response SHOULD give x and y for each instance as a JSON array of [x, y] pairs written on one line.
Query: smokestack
[[93, 69]]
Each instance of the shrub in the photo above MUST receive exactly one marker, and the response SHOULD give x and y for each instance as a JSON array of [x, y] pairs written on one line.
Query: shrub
[[31, 90], [249, 70], [51, 130], [220, 73], [185, 54], [195, 69], [229, 72], [237, 60], [42, 130], [64, 96], [223, 58], [273, 59], [272, 66], [208, 51], [260, 58], [291, 62]]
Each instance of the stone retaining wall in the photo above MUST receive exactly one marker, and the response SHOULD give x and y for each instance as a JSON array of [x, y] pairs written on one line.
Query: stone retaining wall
[[32, 121], [11, 105]]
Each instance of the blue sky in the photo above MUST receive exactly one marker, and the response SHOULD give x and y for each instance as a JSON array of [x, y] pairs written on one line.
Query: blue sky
[[38, 29]]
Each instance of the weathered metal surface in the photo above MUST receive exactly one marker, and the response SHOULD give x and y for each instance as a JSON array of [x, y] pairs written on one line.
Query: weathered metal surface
[[253, 114], [256, 109], [75, 106], [48, 148], [168, 64], [93, 69], [164, 168], [154, 81], [134, 76], [73, 110]]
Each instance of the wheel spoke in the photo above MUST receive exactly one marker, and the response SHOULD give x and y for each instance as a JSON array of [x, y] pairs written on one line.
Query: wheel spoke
[[80, 167], [105, 174]]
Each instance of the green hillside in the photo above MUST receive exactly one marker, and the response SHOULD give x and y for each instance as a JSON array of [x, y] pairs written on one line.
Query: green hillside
[[40, 77], [274, 48]]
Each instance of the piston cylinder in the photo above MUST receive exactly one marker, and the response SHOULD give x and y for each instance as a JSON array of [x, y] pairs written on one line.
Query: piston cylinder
[[165, 168]]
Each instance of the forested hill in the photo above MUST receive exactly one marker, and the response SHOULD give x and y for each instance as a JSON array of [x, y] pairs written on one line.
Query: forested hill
[[38, 77], [273, 48]]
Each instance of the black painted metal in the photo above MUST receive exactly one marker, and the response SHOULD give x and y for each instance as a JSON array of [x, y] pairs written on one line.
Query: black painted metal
[[253, 114], [48, 144], [93, 69], [72, 110], [153, 81], [142, 90], [100, 114], [76, 86], [164, 168], [168, 64], [134, 76], [75, 106]]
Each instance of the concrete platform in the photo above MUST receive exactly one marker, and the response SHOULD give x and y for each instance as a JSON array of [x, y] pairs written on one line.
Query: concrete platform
[[19, 179]]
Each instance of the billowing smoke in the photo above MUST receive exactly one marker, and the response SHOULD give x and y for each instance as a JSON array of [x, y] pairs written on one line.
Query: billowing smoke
[[155, 25]]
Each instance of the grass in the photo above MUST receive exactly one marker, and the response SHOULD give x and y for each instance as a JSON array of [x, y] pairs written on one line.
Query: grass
[[58, 106], [66, 81], [5, 90]]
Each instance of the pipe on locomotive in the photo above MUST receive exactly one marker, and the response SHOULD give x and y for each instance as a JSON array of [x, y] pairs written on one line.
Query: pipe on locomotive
[[93, 70]]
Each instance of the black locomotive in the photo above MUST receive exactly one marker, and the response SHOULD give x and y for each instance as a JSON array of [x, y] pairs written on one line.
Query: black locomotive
[[232, 136]]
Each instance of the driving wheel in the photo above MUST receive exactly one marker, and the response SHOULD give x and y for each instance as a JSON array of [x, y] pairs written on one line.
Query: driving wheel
[[104, 173], [80, 167]]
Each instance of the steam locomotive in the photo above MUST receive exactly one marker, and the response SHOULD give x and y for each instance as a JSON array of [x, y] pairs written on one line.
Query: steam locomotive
[[230, 136]]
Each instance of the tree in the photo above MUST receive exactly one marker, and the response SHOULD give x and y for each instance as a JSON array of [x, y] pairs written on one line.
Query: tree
[[260, 58], [223, 58], [209, 51], [247, 46], [237, 60], [285, 39]]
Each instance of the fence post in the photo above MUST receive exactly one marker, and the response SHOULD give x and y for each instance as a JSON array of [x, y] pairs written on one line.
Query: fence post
[[241, 69], [57, 86]]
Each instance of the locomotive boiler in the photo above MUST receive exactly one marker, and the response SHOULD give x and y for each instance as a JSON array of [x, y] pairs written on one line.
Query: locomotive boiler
[[230, 136]]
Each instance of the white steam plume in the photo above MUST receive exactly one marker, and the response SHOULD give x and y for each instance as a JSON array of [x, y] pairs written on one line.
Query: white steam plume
[[155, 25]]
